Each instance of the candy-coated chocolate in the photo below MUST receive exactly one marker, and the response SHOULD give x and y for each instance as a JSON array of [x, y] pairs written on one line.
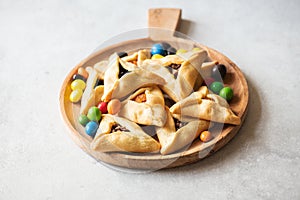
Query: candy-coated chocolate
[[78, 84], [114, 106], [75, 95], [78, 76], [83, 120], [122, 54], [156, 56], [91, 128], [216, 87], [165, 45], [102, 107], [171, 51], [158, 49], [94, 114], [226, 93], [205, 136], [218, 71], [83, 72]]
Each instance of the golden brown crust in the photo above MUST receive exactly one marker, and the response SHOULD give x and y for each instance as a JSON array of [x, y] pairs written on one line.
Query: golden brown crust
[[136, 140], [101, 68], [150, 112], [142, 56], [206, 110], [146, 105], [165, 61], [194, 98], [89, 95], [180, 87], [130, 58], [133, 81], [172, 140], [111, 76]]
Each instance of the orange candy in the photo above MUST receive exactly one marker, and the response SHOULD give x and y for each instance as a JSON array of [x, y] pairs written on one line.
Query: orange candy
[[205, 136], [83, 72], [114, 106]]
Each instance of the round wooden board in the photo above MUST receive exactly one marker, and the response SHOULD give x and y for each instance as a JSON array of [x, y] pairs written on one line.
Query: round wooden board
[[196, 151]]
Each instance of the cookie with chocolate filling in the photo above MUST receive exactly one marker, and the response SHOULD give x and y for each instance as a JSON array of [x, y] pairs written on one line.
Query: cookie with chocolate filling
[[180, 81], [174, 137], [119, 134]]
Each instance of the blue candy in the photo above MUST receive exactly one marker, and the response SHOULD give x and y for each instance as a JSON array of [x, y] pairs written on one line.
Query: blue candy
[[158, 49], [91, 128]]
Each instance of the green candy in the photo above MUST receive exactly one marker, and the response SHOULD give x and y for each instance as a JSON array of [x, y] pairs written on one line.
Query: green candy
[[216, 87], [83, 120], [94, 114], [226, 93]]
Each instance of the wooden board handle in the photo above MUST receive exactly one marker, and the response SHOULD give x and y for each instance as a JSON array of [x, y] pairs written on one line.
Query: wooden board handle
[[167, 19]]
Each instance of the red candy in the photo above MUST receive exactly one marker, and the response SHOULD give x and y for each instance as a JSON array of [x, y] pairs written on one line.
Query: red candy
[[102, 107], [209, 81]]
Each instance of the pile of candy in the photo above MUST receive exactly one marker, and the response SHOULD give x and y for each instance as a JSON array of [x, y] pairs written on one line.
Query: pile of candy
[[78, 85], [213, 79], [218, 72], [91, 120], [215, 82]]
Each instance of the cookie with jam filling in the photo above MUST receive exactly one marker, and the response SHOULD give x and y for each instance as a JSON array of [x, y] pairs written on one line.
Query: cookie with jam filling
[[146, 106]]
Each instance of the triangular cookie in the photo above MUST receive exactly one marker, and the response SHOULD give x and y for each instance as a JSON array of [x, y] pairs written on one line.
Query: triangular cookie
[[172, 140], [131, 81], [119, 134], [146, 106], [182, 79], [214, 109]]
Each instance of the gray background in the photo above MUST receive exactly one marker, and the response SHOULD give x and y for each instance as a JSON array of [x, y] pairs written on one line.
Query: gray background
[[40, 41]]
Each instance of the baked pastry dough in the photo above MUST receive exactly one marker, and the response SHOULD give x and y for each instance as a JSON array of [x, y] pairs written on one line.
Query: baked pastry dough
[[213, 109], [131, 62], [111, 76], [138, 81], [181, 86], [206, 68], [172, 140], [194, 98], [165, 61], [142, 56], [131, 81], [101, 67], [131, 139], [91, 96], [149, 112], [131, 58]]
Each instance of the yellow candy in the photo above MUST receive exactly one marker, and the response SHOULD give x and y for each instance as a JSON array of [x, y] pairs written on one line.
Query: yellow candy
[[196, 49], [78, 84], [75, 95], [180, 51], [156, 56]]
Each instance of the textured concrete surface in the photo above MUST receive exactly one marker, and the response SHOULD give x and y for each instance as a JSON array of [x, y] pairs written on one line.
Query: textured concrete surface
[[40, 41]]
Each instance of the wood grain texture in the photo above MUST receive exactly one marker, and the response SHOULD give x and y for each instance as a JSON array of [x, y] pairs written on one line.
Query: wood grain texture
[[164, 18], [196, 151]]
